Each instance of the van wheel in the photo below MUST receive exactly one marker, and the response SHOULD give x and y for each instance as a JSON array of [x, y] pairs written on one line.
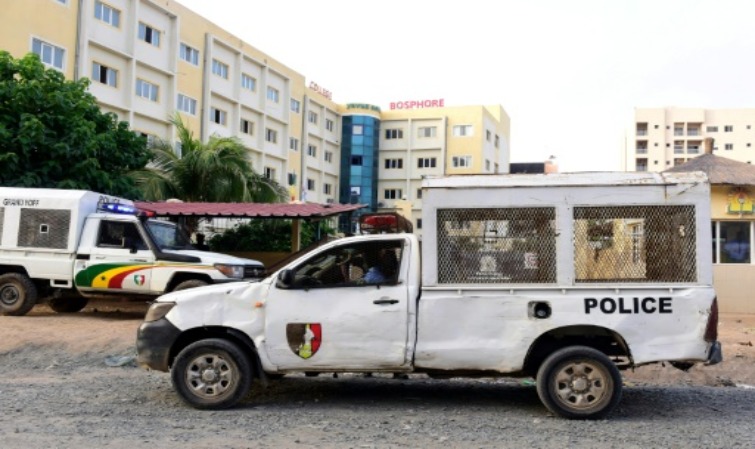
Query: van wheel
[[18, 294], [579, 382], [212, 374], [191, 283], [68, 304]]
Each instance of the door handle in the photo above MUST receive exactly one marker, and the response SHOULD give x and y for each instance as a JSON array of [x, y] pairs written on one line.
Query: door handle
[[385, 300]]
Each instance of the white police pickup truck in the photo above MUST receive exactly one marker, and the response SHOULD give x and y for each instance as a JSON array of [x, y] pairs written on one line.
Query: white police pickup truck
[[568, 278], [66, 246]]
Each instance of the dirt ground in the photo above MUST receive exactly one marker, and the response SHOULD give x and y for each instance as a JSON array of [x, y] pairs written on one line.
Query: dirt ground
[[109, 328]]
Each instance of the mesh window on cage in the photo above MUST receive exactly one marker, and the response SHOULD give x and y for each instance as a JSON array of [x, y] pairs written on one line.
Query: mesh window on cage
[[635, 244], [506, 245]]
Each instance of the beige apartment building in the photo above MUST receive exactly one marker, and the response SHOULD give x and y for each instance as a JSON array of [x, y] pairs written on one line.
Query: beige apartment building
[[438, 141], [662, 138], [149, 60]]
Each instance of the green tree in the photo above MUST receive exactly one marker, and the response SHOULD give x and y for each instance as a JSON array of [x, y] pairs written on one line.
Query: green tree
[[216, 171], [53, 134], [268, 235]]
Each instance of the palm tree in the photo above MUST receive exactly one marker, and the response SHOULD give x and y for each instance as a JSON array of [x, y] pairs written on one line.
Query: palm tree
[[218, 171]]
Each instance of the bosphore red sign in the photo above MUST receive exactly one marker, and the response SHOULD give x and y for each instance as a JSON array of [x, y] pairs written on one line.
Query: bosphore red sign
[[417, 104]]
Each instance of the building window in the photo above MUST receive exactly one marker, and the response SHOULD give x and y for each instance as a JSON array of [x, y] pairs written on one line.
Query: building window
[[356, 160], [734, 238], [269, 173], [497, 141], [641, 164], [149, 34], [147, 90], [218, 116], [107, 14], [219, 69], [392, 194], [273, 94], [461, 161], [728, 128], [327, 188], [419, 194], [312, 150], [312, 117], [394, 133], [104, 74], [487, 165], [426, 162], [394, 163], [427, 131], [488, 135], [329, 124], [247, 82], [189, 54], [711, 129], [186, 104], [247, 127], [310, 184], [293, 143], [295, 105], [357, 130], [328, 156], [462, 130], [49, 54], [271, 135], [729, 146], [419, 223]]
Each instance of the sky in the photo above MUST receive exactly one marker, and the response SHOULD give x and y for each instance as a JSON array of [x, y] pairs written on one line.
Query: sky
[[568, 73]]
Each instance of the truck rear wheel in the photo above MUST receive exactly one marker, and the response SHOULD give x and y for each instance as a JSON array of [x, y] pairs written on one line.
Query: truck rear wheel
[[68, 304], [212, 374], [579, 382], [18, 294]]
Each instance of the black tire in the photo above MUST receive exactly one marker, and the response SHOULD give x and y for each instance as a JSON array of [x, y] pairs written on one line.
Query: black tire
[[212, 374], [68, 304], [191, 283], [579, 382], [311, 373], [18, 294]]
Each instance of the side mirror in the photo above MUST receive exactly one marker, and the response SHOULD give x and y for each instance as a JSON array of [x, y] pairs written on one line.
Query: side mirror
[[285, 279]]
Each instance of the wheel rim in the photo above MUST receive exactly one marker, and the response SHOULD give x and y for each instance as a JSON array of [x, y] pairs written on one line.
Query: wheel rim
[[9, 294], [582, 385], [210, 376]]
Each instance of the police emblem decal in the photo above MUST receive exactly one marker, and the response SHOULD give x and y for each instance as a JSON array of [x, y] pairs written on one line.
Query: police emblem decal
[[304, 338]]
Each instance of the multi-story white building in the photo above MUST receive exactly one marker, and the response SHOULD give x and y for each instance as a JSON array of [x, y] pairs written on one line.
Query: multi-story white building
[[662, 138], [149, 60]]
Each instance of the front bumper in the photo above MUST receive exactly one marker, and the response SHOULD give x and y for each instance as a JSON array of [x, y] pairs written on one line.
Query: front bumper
[[715, 355], [153, 342]]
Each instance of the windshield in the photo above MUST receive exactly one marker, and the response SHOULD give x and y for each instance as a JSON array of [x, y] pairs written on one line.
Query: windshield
[[168, 236]]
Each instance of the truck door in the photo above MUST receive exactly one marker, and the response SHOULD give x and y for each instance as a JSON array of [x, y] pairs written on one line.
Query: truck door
[[119, 261], [344, 308]]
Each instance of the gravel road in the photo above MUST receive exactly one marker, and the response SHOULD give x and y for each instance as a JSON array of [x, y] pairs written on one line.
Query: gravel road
[[54, 395]]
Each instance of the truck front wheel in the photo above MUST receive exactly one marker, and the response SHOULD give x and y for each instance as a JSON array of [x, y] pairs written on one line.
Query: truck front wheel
[[579, 382], [212, 374], [68, 304], [191, 283], [18, 294]]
